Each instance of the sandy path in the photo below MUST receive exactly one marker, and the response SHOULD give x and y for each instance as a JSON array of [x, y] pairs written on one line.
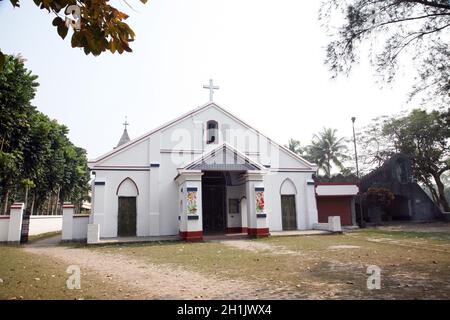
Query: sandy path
[[151, 281]]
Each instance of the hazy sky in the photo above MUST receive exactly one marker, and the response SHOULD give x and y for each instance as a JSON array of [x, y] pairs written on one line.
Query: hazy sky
[[266, 56]]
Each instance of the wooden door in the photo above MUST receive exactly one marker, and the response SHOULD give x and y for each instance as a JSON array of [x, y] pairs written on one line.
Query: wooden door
[[127, 217], [288, 212], [213, 208]]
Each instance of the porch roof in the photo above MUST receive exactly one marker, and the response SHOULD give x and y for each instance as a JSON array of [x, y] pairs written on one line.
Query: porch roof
[[224, 158]]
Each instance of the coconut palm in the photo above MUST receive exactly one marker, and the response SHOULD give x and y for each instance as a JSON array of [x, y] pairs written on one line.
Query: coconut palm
[[295, 146], [326, 150]]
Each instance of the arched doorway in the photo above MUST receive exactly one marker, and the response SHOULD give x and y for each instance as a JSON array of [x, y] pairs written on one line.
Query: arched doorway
[[127, 193], [288, 206]]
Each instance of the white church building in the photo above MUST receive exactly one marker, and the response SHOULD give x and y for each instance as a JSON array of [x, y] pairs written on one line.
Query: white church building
[[205, 172]]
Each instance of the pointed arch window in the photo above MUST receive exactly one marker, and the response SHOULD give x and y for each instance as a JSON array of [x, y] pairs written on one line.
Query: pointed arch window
[[212, 132]]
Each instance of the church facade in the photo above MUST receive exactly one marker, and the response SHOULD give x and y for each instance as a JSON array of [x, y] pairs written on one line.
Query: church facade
[[205, 172]]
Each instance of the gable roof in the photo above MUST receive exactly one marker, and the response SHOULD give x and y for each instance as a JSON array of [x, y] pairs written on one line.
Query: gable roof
[[191, 113], [244, 159]]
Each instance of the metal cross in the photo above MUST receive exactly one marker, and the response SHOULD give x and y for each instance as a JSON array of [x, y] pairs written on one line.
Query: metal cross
[[126, 123], [211, 88]]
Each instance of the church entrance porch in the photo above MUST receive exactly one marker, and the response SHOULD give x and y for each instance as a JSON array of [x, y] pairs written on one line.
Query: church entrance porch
[[214, 202], [222, 192]]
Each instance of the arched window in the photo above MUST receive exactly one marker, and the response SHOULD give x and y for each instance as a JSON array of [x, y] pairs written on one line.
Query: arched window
[[212, 132]]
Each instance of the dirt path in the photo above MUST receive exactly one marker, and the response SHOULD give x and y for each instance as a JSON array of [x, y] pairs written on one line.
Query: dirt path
[[150, 281]]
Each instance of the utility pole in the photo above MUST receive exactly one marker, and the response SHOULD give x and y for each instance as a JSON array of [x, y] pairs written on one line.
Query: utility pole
[[361, 223]]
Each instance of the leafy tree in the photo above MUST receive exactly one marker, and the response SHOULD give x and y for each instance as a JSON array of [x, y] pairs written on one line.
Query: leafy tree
[[101, 26], [392, 29], [326, 150], [17, 89], [424, 137], [36, 155]]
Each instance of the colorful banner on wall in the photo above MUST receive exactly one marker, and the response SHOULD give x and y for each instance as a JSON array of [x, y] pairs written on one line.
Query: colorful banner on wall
[[191, 201], [259, 197]]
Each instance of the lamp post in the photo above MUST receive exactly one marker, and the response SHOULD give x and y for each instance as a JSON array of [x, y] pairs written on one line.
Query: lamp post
[[357, 172]]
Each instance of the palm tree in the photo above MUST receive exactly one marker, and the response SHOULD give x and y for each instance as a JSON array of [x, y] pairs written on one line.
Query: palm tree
[[294, 146], [327, 149]]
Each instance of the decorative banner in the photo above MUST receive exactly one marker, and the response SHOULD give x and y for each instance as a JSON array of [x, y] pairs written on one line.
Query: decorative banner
[[191, 201], [259, 197]]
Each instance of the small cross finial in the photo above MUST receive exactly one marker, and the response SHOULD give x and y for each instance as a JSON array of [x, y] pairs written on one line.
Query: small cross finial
[[125, 124], [211, 88]]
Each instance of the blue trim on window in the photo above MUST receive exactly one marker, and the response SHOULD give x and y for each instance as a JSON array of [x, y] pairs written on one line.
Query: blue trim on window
[[154, 165], [192, 217], [261, 215], [99, 183], [259, 189], [191, 189]]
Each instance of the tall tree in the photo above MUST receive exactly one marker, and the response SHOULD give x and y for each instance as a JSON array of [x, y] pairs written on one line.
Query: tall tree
[[391, 29], [36, 155], [326, 150], [17, 89], [425, 138]]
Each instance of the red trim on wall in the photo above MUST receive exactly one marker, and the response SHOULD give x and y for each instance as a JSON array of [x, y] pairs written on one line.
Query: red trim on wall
[[236, 230], [4, 217], [335, 196], [68, 206], [191, 235], [258, 232]]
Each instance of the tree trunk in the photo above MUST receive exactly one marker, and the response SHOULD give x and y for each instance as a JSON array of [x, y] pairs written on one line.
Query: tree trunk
[[26, 198], [32, 203], [49, 203], [5, 202], [442, 199]]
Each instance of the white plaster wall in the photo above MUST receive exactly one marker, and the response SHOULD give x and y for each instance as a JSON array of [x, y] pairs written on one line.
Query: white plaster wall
[[43, 224], [234, 192], [272, 184], [135, 155], [4, 225], [79, 227], [106, 203], [169, 192], [189, 133], [337, 190]]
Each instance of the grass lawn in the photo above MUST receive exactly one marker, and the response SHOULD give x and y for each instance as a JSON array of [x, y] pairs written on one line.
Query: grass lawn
[[29, 276], [413, 265]]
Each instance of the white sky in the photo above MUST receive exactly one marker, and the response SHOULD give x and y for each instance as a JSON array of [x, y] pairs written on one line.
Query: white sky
[[266, 56]]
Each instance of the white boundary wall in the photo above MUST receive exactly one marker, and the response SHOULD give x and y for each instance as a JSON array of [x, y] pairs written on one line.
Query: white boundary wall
[[43, 224], [74, 227], [4, 228]]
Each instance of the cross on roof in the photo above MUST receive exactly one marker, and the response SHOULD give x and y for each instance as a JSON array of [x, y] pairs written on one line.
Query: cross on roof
[[211, 88], [126, 123]]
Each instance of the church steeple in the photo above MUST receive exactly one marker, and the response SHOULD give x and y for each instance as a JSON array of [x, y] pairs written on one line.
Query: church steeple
[[125, 137]]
